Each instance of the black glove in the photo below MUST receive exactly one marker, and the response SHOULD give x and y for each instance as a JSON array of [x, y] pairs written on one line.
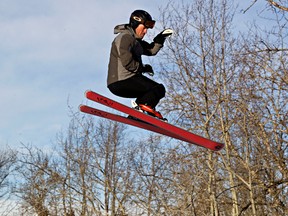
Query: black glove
[[161, 37], [148, 69]]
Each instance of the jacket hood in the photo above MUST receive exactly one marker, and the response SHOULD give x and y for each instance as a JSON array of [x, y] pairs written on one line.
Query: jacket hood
[[125, 28], [121, 28]]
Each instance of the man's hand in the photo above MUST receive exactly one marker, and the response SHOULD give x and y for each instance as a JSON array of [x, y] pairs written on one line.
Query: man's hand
[[161, 37], [148, 69]]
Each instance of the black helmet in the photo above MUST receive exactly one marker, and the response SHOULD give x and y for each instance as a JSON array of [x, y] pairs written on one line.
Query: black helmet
[[141, 17]]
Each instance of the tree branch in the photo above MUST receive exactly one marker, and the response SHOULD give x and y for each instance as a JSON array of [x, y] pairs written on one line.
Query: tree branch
[[275, 4]]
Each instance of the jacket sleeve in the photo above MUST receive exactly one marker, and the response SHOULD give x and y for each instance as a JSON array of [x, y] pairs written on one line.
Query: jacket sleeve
[[126, 56], [150, 49]]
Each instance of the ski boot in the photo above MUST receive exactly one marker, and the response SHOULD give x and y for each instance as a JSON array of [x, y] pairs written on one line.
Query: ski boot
[[149, 110], [146, 109], [136, 107]]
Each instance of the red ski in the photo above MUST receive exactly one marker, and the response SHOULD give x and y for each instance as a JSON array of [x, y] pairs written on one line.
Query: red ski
[[164, 127], [129, 121]]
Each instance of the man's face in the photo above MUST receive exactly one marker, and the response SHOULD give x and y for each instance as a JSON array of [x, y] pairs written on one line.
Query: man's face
[[140, 31]]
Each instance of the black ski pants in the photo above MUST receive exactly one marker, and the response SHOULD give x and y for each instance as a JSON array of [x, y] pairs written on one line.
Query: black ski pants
[[145, 90]]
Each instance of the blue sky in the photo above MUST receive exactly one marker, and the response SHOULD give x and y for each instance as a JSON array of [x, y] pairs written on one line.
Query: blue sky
[[51, 51]]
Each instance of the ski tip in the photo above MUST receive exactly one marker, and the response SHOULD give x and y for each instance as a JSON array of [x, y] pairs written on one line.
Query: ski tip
[[219, 146], [88, 91], [81, 107]]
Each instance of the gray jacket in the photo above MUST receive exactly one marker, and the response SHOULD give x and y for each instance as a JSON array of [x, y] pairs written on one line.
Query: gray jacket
[[125, 56]]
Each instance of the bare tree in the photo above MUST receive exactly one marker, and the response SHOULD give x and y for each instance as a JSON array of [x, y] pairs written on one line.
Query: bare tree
[[7, 167], [7, 161], [94, 168], [201, 55], [37, 182], [220, 84], [236, 91], [86, 174], [148, 165], [281, 5]]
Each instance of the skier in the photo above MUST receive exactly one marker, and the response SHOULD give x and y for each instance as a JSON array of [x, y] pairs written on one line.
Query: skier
[[125, 70]]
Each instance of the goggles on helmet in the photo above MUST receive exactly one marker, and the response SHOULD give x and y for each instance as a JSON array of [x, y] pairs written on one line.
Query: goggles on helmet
[[147, 23]]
